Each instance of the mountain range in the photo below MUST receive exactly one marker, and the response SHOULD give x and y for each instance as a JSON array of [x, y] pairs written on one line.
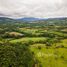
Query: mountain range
[[29, 19]]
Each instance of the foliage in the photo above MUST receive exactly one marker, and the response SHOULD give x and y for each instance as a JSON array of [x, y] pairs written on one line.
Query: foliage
[[15, 55]]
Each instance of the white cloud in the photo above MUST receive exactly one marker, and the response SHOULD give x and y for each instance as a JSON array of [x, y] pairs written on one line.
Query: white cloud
[[33, 8]]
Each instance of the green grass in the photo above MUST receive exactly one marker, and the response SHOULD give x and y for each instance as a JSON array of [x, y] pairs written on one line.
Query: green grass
[[50, 57], [30, 40]]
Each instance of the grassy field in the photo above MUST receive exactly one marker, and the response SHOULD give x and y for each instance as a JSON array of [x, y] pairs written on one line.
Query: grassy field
[[30, 40], [50, 57]]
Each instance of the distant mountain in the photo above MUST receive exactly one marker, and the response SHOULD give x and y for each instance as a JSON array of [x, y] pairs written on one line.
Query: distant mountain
[[58, 18], [44, 21], [5, 19], [61, 21], [30, 19]]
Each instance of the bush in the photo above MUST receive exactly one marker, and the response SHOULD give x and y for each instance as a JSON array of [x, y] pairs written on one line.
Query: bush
[[39, 47]]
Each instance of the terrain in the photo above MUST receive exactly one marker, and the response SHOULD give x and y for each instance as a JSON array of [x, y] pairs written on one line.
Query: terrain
[[38, 43]]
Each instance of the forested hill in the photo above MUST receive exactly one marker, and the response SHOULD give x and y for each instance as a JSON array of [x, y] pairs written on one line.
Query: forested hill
[[6, 20], [49, 21], [55, 21]]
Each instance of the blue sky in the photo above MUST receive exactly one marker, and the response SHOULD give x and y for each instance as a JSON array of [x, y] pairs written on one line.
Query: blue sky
[[33, 8]]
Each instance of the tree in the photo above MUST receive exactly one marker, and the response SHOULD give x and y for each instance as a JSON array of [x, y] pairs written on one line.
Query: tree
[[15, 55]]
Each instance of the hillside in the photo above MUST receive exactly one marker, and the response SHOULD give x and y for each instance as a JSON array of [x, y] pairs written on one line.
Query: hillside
[[6, 20]]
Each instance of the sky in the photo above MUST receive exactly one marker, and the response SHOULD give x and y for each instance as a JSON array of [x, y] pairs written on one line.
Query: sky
[[33, 8]]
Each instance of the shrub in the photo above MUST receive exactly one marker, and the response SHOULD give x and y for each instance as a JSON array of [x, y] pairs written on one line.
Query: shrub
[[39, 47]]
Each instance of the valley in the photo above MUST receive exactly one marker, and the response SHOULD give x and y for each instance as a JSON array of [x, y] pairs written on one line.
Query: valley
[[41, 43]]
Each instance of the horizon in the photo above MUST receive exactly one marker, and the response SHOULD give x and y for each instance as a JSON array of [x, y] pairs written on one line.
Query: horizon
[[33, 17]]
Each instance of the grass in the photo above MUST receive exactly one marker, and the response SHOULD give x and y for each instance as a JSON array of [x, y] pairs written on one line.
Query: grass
[[63, 42], [30, 40], [50, 57]]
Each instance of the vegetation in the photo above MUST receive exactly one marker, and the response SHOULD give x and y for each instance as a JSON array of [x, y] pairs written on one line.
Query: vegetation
[[36, 44], [15, 55]]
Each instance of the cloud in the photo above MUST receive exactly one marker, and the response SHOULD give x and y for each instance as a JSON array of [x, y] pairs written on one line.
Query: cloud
[[33, 8]]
